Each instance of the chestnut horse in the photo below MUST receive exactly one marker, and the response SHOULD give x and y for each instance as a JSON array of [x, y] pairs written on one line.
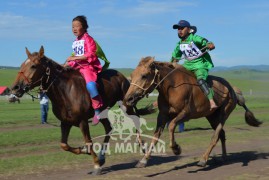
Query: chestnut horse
[[181, 99], [71, 104]]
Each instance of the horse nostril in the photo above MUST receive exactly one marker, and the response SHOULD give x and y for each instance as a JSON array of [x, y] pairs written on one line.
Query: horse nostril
[[130, 100], [16, 87], [26, 89]]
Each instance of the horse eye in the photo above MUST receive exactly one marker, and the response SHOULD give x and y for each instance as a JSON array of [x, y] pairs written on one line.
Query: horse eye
[[144, 77], [33, 66]]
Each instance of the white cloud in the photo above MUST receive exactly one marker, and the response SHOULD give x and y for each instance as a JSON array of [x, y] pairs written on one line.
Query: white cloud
[[27, 4], [145, 8], [16, 26]]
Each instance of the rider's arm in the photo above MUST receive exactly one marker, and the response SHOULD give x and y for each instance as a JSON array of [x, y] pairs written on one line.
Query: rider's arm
[[176, 55], [203, 42]]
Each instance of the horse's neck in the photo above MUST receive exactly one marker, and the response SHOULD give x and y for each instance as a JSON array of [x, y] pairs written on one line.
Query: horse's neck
[[171, 77], [59, 84]]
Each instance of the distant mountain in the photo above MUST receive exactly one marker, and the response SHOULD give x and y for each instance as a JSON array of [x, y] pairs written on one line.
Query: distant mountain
[[8, 67], [246, 67]]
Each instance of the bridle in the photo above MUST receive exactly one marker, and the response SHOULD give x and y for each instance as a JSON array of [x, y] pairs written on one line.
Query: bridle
[[29, 84], [153, 82]]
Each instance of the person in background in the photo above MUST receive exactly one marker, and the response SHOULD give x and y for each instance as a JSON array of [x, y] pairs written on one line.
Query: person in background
[[197, 60], [44, 105]]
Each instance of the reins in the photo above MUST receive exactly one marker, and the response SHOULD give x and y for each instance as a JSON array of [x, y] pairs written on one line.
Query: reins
[[48, 74], [29, 83], [153, 81]]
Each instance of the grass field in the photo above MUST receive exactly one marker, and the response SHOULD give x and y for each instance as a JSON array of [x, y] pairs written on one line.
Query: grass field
[[28, 147]]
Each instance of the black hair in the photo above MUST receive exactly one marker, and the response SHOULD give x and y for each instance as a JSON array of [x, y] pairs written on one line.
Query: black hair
[[83, 20]]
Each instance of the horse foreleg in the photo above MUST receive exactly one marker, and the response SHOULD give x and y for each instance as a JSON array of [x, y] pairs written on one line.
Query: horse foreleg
[[65, 130], [161, 121], [172, 125], [84, 127], [140, 141], [213, 143], [173, 145]]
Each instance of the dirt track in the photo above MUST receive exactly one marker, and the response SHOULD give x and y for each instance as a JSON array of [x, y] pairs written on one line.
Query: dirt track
[[247, 160]]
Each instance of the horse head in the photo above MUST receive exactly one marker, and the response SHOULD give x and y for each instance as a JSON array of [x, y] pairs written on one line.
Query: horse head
[[30, 73], [143, 81]]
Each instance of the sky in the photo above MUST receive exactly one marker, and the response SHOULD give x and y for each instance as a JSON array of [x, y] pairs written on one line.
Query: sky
[[128, 30]]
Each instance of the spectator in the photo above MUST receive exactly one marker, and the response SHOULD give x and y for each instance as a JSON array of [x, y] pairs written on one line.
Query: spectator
[[44, 105]]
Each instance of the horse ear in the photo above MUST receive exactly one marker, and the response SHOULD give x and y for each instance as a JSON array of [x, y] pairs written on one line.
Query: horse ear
[[41, 52], [152, 66], [28, 52]]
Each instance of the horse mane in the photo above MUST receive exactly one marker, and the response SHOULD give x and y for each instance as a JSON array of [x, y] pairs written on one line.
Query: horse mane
[[55, 65], [171, 66], [147, 61]]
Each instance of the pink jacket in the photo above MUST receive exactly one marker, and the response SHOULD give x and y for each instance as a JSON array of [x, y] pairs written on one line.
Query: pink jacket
[[86, 46]]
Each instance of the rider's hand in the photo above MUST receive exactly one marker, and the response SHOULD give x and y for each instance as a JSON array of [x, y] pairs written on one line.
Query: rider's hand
[[174, 60], [71, 58], [210, 46]]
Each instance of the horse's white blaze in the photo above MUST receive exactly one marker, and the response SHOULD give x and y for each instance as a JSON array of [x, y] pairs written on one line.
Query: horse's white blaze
[[27, 61]]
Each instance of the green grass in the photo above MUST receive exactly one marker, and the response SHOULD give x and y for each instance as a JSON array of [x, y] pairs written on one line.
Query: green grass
[[7, 76], [28, 147]]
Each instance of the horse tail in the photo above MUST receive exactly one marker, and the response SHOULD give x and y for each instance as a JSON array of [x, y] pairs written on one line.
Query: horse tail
[[249, 116], [149, 109]]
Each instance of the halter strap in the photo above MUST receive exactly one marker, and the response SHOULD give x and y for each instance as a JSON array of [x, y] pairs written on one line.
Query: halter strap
[[153, 81]]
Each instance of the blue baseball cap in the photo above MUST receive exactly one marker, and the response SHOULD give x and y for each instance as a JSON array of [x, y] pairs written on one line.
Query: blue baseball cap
[[182, 23]]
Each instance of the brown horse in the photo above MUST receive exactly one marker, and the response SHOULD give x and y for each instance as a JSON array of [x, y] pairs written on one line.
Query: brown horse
[[70, 99], [181, 99]]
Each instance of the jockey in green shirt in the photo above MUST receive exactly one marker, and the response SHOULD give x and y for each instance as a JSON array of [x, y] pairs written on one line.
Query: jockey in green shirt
[[192, 48]]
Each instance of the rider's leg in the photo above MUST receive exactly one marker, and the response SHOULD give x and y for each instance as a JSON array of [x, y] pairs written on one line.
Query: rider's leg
[[201, 75], [97, 102]]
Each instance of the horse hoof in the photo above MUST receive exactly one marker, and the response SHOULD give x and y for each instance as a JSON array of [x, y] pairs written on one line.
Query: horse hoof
[[144, 150], [97, 171], [176, 150], [201, 163], [102, 162], [141, 164]]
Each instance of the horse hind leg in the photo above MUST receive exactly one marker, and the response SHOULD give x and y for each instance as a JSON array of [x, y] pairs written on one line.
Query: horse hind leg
[[108, 130], [222, 137]]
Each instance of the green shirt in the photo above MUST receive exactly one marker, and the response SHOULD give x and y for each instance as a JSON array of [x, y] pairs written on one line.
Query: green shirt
[[202, 62], [100, 54]]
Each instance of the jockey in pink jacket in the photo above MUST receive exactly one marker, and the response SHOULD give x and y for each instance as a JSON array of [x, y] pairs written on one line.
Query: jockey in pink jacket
[[84, 58]]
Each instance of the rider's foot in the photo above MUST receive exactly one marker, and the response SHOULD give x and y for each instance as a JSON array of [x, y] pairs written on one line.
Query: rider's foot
[[95, 120], [212, 104]]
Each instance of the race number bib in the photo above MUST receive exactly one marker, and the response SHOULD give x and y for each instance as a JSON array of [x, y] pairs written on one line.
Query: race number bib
[[78, 47], [190, 51]]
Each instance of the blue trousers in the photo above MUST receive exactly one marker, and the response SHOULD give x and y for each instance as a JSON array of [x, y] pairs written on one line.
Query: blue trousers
[[44, 112]]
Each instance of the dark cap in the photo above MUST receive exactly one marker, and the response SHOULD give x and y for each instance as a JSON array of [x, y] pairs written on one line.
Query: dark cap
[[182, 23]]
